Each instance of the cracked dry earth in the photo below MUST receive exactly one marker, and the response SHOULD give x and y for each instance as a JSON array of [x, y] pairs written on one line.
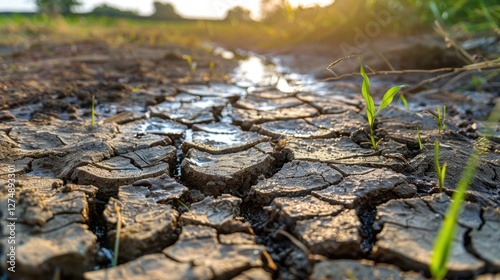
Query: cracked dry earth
[[277, 185]]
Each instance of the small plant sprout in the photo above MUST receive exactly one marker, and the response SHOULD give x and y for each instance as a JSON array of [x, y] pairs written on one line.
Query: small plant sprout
[[191, 64], [211, 69], [92, 117], [371, 113], [117, 236], [443, 243], [420, 146], [439, 117], [440, 170], [183, 204]]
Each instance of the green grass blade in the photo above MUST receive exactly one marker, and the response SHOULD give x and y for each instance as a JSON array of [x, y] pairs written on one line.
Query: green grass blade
[[444, 117], [419, 138], [436, 164], [488, 16], [442, 246], [365, 91], [389, 96], [405, 102], [443, 243], [183, 204], [443, 173], [435, 10], [92, 117]]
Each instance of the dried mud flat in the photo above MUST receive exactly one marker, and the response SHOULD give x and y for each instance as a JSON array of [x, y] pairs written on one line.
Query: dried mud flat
[[279, 185]]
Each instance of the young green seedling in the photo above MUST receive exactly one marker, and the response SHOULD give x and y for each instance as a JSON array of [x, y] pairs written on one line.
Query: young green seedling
[[443, 243], [191, 64], [420, 146], [440, 170], [92, 117], [117, 236], [211, 69], [439, 117], [371, 113], [183, 204]]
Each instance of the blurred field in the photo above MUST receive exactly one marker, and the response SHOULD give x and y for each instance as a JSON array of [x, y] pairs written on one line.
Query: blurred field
[[283, 25]]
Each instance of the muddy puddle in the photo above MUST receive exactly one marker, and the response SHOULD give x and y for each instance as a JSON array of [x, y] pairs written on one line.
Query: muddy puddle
[[261, 174]]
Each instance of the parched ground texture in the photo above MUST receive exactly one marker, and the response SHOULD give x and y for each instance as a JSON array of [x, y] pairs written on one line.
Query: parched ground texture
[[218, 177]]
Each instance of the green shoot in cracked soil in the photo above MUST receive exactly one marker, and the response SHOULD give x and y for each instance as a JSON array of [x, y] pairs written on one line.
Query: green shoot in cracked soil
[[439, 117], [420, 146], [440, 171], [191, 64], [117, 236], [371, 113], [443, 242], [183, 204], [92, 117]]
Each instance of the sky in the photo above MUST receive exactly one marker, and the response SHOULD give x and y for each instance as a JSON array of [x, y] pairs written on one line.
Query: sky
[[208, 9]]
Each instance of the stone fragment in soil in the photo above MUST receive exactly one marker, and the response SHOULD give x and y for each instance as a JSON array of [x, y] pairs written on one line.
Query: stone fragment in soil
[[266, 104], [147, 225], [360, 269], [122, 170], [297, 128], [483, 189], [214, 90], [332, 104], [218, 140], [339, 151], [289, 210], [332, 236], [50, 229], [486, 239], [199, 245], [153, 266], [409, 229], [220, 213], [154, 126], [227, 173], [363, 190], [339, 124], [296, 178], [247, 118]]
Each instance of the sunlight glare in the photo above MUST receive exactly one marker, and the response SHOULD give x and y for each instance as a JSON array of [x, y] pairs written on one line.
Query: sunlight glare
[[310, 3]]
